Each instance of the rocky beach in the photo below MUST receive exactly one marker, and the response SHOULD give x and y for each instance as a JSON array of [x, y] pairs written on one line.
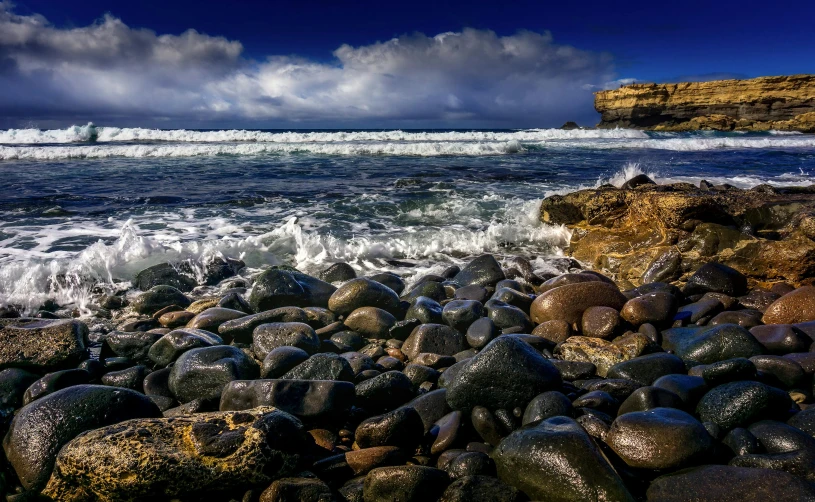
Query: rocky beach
[[671, 358]]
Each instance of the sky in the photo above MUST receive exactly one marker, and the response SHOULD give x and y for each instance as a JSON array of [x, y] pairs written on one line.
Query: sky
[[363, 64]]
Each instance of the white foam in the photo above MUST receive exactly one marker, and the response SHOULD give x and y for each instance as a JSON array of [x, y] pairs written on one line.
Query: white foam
[[693, 144], [73, 134]]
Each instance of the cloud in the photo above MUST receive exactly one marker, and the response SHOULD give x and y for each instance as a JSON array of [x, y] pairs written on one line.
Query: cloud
[[110, 72]]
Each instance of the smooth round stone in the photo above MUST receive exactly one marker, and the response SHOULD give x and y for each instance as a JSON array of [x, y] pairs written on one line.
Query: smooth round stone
[[402, 428], [557, 460], [389, 363], [741, 403], [758, 300], [597, 400], [568, 302], [132, 345], [717, 278], [480, 489], [555, 331], [491, 430], [234, 301], [14, 383], [169, 347], [362, 292], [574, 370], [474, 293], [804, 420], [130, 378], [446, 430], [725, 371], [158, 297], [203, 373], [792, 308], [280, 360], [384, 392], [740, 441], [325, 366], [780, 339], [482, 271], [785, 448], [645, 369], [461, 314], [305, 489], [435, 361], [718, 343], [212, 318], [277, 288], [599, 322], [727, 483], [656, 308], [619, 388], [426, 310], [661, 438], [390, 280], [338, 272], [471, 463], [744, 318], [407, 483], [51, 382], [514, 297], [648, 398], [687, 387], [157, 383], [806, 360], [268, 337], [431, 290], [547, 405], [240, 329], [782, 371], [565, 279], [419, 374], [434, 338], [370, 322], [507, 316], [175, 319]]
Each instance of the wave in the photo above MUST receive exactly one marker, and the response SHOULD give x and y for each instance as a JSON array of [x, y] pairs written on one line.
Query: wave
[[693, 144], [81, 134]]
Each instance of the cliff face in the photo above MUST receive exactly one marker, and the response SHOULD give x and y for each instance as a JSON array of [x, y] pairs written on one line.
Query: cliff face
[[759, 104]]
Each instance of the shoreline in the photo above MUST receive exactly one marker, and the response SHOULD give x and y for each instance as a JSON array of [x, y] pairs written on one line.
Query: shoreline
[[485, 382]]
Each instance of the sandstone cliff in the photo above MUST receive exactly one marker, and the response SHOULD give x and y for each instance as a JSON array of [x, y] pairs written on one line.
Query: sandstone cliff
[[759, 104], [665, 232]]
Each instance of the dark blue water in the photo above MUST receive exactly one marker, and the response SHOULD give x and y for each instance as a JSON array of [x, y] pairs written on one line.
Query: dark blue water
[[99, 204]]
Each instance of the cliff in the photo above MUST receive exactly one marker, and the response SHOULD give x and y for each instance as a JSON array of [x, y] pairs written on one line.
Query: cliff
[[759, 104]]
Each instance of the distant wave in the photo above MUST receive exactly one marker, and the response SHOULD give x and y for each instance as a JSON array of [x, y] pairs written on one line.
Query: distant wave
[[81, 134], [693, 144]]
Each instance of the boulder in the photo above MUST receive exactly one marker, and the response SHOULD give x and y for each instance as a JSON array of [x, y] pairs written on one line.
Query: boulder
[[164, 274], [288, 288], [157, 298], [482, 271], [42, 345], [737, 404], [716, 278]]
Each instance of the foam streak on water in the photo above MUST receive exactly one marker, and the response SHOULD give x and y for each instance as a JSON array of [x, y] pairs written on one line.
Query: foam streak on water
[[85, 208]]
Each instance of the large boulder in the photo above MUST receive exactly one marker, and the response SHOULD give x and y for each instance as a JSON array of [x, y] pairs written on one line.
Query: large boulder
[[192, 457], [42, 344], [557, 461], [41, 428], [506, 374], [482, 271]]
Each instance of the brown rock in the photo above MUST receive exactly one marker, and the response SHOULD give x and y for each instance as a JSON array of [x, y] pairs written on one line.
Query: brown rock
[[602, 353], [176, 319], [600, 322], [792, 308], [370, 322], [567, 303], [555, 331]]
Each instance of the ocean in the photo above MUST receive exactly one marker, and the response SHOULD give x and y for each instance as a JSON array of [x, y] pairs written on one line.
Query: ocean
[[84, 209]]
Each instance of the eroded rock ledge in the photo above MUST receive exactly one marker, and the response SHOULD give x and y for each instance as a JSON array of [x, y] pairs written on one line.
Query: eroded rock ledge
[[646, 232], [784, 103]]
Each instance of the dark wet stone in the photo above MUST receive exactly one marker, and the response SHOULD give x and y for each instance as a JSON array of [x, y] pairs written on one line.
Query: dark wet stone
[[779, 371], [14, 384], [158, 297], [719, 343], [507, 316], [359, 362], [780, 339], [212, 318], [407, 483], [480, 489], [786, 448], [514, 297], [744, 318], [431, 407], [132, 345], [555, 331], [717, 278], [419, 374], [547, 405], [758, 300], [338, 272], [481, 332], [297, 489], [574, 370], [461, 314], [599, 322], [435, 361], [482, 271], [804, 420], [321, 367], [370, 322], [402, 329], [363, 292], [491, 430], [313, 401], [507, 373], [471, 463], [268, 337], [740, 441], [280, 360], [164, 274], [384, 392], [741, 403], [287, 288], [687, 387], [428, 289], [645, 369], [390, 280], [169, 347], [648, 398], [401, 427], [130, 378], [235, 301], [41, 428], [42, 345], [656, 308], [597, 400], [53, 382], [661, 438], [157, 383], [557, 460], [240, 329], [729, 370], [426, 310], [474, 293], [694, 312], [664, 267], [202, 373], [434, 338], [619, 388], [446, 431], [728, 484]]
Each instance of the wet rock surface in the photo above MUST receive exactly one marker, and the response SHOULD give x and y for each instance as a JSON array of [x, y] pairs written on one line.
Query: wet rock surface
[[485, 382]]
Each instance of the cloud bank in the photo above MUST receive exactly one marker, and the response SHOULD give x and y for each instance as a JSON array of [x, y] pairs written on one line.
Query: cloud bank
[[115, 74]]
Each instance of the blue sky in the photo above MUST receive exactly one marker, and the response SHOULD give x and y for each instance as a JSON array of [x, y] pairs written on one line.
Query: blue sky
[[282, 64]]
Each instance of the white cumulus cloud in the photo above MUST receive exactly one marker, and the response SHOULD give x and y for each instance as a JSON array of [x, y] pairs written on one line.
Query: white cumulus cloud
[[115, 74]]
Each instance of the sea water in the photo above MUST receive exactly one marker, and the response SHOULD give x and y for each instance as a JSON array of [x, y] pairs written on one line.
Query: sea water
[[83, 209]]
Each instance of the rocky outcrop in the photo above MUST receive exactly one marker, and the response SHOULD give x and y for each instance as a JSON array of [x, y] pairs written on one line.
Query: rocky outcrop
[[784, 103], [665, 232]]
